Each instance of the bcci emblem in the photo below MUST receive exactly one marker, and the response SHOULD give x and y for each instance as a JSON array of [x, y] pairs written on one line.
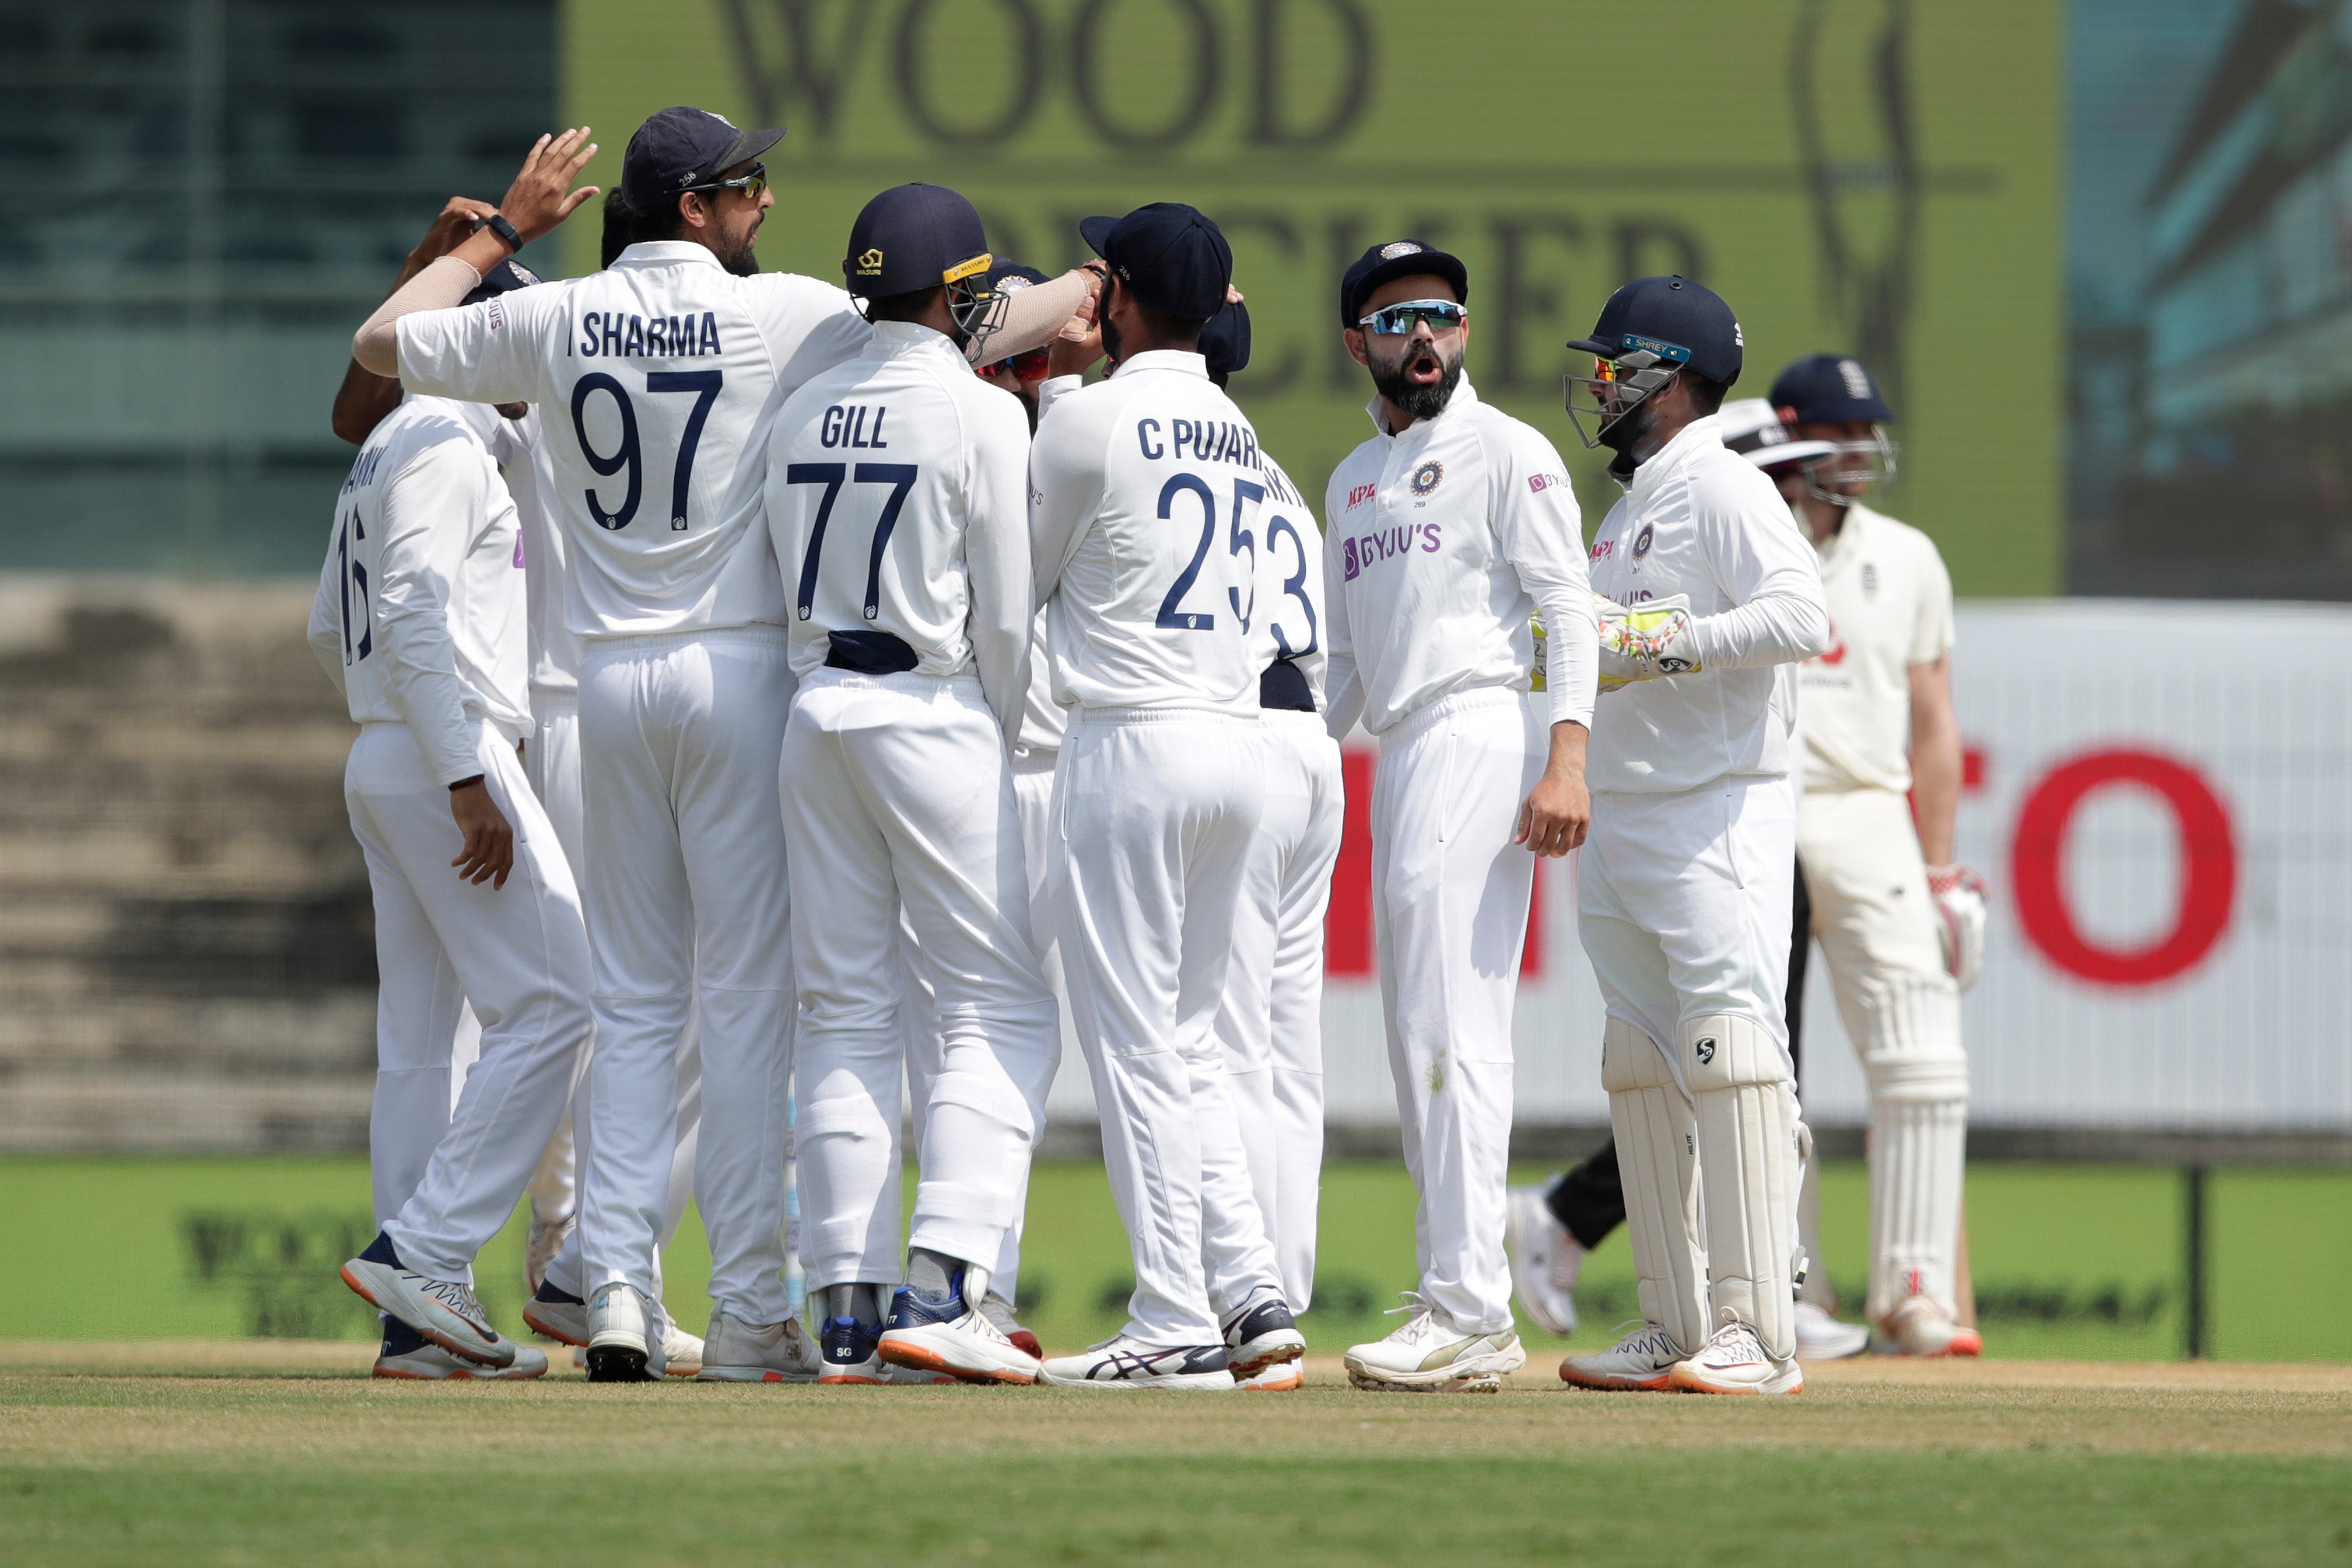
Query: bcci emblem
[[1642, 542], [1704, 1049], [1425, 477], [871, 262]]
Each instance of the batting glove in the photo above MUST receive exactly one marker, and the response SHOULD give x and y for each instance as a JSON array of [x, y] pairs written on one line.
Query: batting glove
[[1959, 896]]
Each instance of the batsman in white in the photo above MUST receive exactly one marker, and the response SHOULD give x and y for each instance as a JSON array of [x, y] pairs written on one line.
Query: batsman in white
[[419, 621], [1446, 531], [897, 501], [1684, 888], [1900, 924], [1144, 493], [668, 369]]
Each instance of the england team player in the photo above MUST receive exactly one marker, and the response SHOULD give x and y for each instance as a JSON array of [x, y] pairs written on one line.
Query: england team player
[[1684, 886], [662, 375], [896, 499], [1445, 533], [419, 620]]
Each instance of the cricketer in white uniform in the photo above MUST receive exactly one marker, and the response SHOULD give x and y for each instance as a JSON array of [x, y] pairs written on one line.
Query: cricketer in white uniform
[[419, 621], [1445, 533], [1902, 940], [897, 501], [1684, 888], [1144, 495]]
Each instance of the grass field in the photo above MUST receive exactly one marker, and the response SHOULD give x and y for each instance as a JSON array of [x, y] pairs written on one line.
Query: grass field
[[103, 1461]]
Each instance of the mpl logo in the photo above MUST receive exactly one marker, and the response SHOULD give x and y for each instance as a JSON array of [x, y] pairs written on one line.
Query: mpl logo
[[1358, 494]]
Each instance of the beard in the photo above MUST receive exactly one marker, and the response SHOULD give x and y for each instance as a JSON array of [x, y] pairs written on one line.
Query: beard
[[739, 257], [1422, 400], [1109, 336]]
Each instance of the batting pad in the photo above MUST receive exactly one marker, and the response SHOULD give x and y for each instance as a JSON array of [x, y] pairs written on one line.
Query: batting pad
[[1752, 1163], [1657, 1161], [1918, 1136]]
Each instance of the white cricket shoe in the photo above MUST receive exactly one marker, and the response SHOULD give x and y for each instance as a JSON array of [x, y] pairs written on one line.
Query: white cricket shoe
[[405, 1353], [1545, 1260], [681, 1352], [1282, 1377], [738, 1352], [1431, 1354], [1821, 1337], [625, 1339], [1918, 1327], [1122, 1362], [953, 1337], [1736, 1362], [1260, 1335], [544, 1243], [999, 1312], [1640, 1362], [443, 1310]]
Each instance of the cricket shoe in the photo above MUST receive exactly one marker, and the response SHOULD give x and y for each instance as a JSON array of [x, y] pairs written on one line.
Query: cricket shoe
[[1918, 1327], [1545, 1260], [1431, 1354], [738, 1352], [1262, 1334], [952, 1337], [409, 1354], [557, 1314], [543, 1245], [1122, 1362], [999, 1312], [1736, 1362], [1821, 1337], [1282, 1377], [626, 1342], [916, 1375], [850, 1351], [443, 1310], [1642, 1362]]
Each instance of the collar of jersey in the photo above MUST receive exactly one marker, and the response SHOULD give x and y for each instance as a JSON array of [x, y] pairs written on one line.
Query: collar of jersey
[[1840, 544], [1464, 395], [1690, 442], [665, 253], [1165, 359], [894, 338]]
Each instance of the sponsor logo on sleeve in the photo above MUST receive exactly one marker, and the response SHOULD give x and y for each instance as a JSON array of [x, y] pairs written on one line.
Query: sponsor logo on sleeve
[[1358, 494], [1539, 483], [497, 317]]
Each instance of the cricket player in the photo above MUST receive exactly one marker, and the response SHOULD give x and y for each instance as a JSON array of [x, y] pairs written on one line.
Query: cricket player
[[897, 501], [662, 375], [1145, 495], [419, 621], [1901, 925], [1446, 531], [1684, 888]]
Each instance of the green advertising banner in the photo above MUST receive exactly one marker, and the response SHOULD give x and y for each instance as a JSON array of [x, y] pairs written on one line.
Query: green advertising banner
[[1877, 177]]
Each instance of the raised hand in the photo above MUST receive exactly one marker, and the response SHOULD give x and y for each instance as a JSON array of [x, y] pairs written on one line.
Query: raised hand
[[541, 195]]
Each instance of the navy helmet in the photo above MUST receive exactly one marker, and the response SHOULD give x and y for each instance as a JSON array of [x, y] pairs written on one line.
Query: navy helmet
[[1650, 331], [1829, 389]]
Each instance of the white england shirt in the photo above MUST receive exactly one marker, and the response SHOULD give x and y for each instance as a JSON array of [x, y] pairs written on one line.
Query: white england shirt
[[1145, 500], [898, 503], [1890, 602], [419, 617], [657, 381], [1441, 541], [1704, 522]]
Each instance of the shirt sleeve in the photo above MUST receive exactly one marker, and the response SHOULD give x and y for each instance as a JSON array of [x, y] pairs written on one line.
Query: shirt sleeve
[[1343, 685], [1932, 632], [1065, 486], [996, 552], [1762, 564], [326, 629], [1053, 388], [809, 326], [430, 511], [496, 352], [1542, 535]]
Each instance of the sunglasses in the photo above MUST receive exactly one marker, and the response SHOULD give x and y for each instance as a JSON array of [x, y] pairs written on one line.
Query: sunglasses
[[1398, 319], [751, 184], [1030, 366]]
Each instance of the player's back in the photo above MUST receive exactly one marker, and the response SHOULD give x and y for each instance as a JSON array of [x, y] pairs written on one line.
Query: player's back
[[1286, 624], [876, 471], [658, 380], [1155, 593]]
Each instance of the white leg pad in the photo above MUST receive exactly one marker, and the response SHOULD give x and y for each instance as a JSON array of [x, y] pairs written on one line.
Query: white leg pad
[[1750, 1166], [1658, 1158], [1918, 1135]]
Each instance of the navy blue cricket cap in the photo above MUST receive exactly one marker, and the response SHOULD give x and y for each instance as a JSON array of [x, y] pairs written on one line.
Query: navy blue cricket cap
[[503, 278], [680, 148], [1675, 318], [1175, 259], [914, 236], [1397, 258], [1225, 341], [1829, 389]]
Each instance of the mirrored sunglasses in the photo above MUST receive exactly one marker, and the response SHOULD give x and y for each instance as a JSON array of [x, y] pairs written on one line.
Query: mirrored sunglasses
[[1398, 319]]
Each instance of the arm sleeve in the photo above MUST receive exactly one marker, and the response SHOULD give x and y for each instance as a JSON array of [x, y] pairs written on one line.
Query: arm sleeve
[[809, 327], [1931, 635], [1343, 685], [326, 630], [444, 282], [429, 511], [996, 554], [491, 353], [1032, 316], [1052, 390], [1066, 486], [1542, 535], [1765, 567]]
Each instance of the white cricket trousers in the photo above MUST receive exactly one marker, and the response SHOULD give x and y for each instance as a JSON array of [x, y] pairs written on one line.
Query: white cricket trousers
[[1450, 895], [1901, 1008], [898, 794], [688, 915], [1270, 1023], [1155, 810], [517, 955], [551, 760]]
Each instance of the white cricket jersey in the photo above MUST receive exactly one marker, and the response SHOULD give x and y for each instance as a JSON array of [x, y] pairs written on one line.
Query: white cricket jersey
[[1044, 721], [1890, 602], [658, 381], [1706, 523], [420, 612], [1287, 626], [897, 503], [1145, 496], [1441, 543], [520, 447]]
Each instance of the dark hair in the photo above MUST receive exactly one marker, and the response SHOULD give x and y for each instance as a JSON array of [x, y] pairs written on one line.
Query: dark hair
[[906, 307], [621, 226], [1706, 394], [662, 225]]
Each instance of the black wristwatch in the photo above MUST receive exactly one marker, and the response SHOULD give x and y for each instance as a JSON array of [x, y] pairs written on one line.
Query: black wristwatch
[[496, 224]]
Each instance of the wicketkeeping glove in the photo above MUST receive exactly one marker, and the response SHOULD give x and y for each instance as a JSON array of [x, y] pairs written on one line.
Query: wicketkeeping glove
[[1960, 897], [1643, 641]]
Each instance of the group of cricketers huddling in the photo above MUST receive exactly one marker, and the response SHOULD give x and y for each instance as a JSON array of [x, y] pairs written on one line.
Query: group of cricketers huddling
[[780, 702]]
